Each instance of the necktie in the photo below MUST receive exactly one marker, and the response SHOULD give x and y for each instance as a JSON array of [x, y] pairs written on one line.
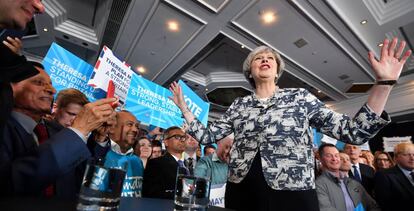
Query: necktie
[[348, 200], [412, 175], [42, 135], [356, 173], [190, 165], [181, 168]]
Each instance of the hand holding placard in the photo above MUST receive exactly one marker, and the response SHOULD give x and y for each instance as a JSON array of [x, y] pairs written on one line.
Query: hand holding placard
[[94, 115], [110, 93]]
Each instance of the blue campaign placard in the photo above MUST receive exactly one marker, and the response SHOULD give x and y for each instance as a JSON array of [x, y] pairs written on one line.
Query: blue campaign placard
[[68, 71], [149, 102], [196, 105]]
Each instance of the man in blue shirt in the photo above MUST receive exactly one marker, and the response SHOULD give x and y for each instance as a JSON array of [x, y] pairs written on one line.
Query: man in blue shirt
[[121, 152], [217, 162], [216, 165]]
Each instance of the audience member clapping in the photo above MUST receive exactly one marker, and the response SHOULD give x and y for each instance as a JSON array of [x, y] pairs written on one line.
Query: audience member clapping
[[33, 159]]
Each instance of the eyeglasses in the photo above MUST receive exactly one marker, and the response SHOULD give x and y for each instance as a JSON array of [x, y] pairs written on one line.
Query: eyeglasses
[[383, 159], [178, 137]]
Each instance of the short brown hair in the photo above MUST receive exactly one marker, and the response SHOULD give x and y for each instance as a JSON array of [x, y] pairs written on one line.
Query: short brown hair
[[71, 95]]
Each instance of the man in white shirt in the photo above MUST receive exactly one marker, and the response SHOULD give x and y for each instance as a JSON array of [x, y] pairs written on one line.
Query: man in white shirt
[[394, 187], [190, 155], [160, 173], [359, 171]]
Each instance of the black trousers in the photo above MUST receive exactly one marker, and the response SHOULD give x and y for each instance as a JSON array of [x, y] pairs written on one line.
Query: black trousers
[[254, 194]]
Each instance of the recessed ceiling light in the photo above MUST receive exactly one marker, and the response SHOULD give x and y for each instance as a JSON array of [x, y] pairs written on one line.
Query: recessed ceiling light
[[242, 46], [141, 69], [319, 91], [268, 17], [363, 22], [380, 44], [45, 29], [206, 89], [173, 26]]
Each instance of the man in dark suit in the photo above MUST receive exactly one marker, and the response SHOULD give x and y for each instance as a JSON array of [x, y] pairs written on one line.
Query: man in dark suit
[[160, 173], [27, 167], [394, 187], [190, 155], [359, 171], [15, 14]]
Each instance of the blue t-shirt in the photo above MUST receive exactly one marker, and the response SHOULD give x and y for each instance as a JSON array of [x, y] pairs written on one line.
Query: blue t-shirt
[[135, 169]]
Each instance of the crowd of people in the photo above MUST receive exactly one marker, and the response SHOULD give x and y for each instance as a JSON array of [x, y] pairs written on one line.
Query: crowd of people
[[264, 151]]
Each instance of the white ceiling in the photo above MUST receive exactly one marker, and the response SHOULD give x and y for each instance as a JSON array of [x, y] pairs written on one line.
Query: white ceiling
[[215, 36]]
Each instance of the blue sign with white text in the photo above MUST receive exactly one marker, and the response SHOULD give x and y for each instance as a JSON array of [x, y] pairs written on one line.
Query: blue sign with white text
[[149, 102], [68, 71], [196, 105]]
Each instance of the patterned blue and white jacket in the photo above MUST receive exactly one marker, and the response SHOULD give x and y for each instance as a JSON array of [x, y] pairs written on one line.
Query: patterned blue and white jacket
[[280, 129]]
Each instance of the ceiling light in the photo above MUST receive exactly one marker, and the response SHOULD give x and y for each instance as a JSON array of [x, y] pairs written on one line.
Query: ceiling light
[[141, 69], [45, 29], [319, 91], [173, 26], [363, 22], [242, 46], [206, 89], [380, 44], [268, 17]]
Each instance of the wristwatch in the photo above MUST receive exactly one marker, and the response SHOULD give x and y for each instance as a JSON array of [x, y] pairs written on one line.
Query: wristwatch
[[387, 82]]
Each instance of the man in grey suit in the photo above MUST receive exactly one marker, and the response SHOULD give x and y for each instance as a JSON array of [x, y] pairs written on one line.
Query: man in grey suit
[[336, 191]]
